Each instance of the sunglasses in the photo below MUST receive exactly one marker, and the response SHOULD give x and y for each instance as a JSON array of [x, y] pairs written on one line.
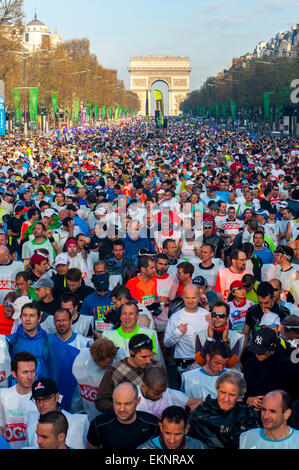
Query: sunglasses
[[220, 315]]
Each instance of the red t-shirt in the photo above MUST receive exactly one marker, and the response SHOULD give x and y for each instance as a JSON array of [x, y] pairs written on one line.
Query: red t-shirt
[[5, 323]]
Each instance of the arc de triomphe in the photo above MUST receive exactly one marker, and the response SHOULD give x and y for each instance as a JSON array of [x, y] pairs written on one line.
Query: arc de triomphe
[[174, 71]]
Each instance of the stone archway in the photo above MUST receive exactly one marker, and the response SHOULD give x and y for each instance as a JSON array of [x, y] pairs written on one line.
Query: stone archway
[[163, 87], [174, 71]]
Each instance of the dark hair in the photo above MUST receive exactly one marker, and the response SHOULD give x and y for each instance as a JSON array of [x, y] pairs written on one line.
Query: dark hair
[[209, 245], [24, 275], [264, 289], [70, 297], [121, 292], [34, 306], [144, 261], [59, 421], [259, 232], [162, 256], [218, 348], [23, 356], [155, 376], [63, 310], [220, 303], [73, 274], [188, 268], [175, 414], [235, 253], [118, 243], [165, 243]]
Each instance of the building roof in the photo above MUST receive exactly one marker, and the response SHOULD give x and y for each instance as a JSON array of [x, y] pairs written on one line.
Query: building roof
[[35, 22]]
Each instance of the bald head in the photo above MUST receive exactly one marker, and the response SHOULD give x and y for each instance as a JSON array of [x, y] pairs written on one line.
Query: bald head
[[4, 255], [191, 289], [125, 400], [191, 298]]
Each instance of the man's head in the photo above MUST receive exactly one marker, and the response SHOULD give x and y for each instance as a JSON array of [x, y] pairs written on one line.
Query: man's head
[[174, 426], [120, 295], [230, 387], [70, 302], [39, 230], [161, 264], [73, 279], [141, 350], [5, 256], [239, 259], [290, 327], [51, 430], [283, 254], [146, 266], [118, 250], [154, 383], [265, 296], [258, 239], [276, 410], [30, 316], [103, 351], [125, 400], [170, 248], [44, 287], [45, 395], [264, 344], [191, 297], [129, 315], [8, 304], [62, 263], [217, 356], [39, 263], [23, 369], [185, 271], [71, 246], [63, 321], [206, 252], [101, 284], [219, 314]]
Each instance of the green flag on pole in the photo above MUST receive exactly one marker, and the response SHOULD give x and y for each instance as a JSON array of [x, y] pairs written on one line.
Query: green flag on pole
[[88, 108], [76, 109], [54, 97], [96, 111], [217, 110], [233, 110], [110, 111], [116, 113], [16, 96], [224, 110], [33, 105], [267, 107], [104, 109]]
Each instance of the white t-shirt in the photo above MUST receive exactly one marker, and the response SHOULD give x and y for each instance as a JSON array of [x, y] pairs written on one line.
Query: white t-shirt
[[185, 343], [14, 409], [156, 407], [197, 383], [256, 439]]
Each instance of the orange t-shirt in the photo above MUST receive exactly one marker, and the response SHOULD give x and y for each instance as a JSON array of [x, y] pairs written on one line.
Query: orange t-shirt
[[144, 292]]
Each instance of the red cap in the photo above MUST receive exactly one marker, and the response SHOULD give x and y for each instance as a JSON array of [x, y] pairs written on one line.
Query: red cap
[[36, 259], [71, 241], [236, 285]]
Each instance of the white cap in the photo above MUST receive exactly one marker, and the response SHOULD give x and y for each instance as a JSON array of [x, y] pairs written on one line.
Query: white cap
[[48, 213], [62, 258], [18, 304], [270, 319], [101, 211]]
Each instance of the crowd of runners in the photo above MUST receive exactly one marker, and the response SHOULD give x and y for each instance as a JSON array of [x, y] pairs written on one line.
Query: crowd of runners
[[149, 288]]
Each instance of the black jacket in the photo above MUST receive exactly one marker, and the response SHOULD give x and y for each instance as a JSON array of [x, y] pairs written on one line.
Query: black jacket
[[221, 429], [126, 268]]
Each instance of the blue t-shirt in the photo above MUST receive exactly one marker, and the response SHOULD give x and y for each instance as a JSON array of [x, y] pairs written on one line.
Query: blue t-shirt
[[133, 246], [97, 306], [256, 439], [265, 254], [4, 444]]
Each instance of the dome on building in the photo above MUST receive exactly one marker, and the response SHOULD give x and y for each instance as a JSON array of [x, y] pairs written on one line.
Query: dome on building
[[36, 22], [36, 32]]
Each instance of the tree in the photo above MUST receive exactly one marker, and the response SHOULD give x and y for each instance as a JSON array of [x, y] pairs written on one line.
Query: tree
[[11, 12]]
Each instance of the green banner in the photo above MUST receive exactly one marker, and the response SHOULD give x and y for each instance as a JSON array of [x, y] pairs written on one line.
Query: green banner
[[16, 96], [233, 110], [88, 109], [217, 110], [33, 105], [104, 109], [76, 109], [54, 97], [267, 107], [117, 109], [110, 111], [224, 110], [96, 111]]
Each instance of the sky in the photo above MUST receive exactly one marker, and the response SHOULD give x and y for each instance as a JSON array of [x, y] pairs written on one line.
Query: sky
[[210, 32]]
